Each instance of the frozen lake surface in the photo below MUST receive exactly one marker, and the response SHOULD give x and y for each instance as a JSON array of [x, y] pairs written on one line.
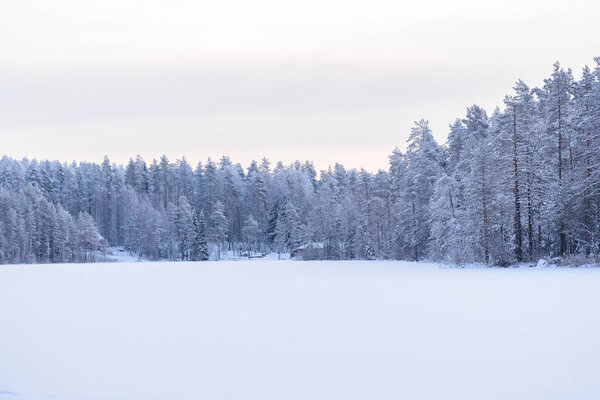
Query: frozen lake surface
[[297, 330]]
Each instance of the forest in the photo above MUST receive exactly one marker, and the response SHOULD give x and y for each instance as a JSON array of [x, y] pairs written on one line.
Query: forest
[[516, 185]]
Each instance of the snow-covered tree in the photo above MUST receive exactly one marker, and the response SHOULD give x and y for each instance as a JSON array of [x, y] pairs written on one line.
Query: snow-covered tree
[[250, 231], [185, 227], [199, 245], [219, 226], [520, 183]]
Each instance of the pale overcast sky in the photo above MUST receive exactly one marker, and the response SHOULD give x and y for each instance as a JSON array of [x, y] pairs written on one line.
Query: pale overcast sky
[[322, 80]]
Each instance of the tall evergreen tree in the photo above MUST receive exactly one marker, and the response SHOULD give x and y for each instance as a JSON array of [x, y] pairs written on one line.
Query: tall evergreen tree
[[199, 245]]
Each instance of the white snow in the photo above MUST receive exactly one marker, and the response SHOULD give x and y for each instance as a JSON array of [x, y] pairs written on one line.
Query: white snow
[[297, 330], [118, 254]]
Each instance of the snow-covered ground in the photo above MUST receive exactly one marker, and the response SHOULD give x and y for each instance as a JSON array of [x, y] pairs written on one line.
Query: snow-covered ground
[[118, 254], [297, 330]]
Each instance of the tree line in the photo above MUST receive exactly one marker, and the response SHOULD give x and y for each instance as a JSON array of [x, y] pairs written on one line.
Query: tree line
[[517, 185]]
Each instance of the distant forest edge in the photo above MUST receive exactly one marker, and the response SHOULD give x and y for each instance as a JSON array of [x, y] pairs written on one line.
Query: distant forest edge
[[518, 185]]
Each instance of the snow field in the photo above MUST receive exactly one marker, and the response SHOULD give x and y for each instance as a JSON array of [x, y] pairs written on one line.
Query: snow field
[[265, 329]]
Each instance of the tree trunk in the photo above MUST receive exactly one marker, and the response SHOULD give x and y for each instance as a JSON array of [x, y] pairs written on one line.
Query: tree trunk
[[562, 235], [517, 218], [485, 218], [529, 218], [414, 235]]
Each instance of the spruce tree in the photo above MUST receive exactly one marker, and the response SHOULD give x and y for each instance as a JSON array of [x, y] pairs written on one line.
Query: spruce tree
[[199, 246]]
